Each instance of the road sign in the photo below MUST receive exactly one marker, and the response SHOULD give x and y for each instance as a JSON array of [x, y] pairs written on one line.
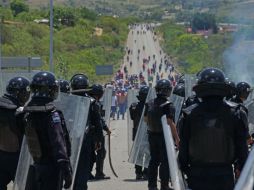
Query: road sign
[[104, 69], [13, 62]]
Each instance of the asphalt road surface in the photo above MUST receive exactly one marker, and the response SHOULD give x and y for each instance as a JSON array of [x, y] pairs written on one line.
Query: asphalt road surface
[[147, 43]]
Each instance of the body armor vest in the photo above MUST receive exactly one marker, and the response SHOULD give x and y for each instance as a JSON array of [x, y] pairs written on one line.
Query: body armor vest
[[212, 135], [38, 120], [154, 114], [9, 132]]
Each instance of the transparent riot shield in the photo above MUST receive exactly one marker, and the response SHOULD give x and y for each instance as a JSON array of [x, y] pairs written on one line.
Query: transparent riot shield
[[250, 106], [131, 98], [107, 99], [75, 110], [140, 153], [246, 180], [175, 173], [190, 81], [25, 160], [178, 102]]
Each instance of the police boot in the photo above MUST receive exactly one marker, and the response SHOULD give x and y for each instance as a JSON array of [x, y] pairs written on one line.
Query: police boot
[[165, 186], [139, 176], [101, 176]]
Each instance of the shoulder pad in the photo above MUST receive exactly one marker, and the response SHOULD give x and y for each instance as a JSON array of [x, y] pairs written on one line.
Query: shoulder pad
[[189, 109], [92, 100], [56, 117], [134, 105], [232, 104], [166, 103], [7, 104]]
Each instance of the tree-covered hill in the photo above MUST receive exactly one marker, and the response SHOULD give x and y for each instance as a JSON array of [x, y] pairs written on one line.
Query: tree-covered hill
[[78, 46]]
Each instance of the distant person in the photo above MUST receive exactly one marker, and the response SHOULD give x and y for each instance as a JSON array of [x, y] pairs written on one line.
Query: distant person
[[113, 105], [121, 102]]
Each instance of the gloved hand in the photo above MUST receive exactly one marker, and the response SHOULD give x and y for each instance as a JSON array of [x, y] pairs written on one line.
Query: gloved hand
[[67, 174]]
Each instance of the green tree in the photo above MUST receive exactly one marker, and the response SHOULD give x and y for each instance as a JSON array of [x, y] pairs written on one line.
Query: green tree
[[65, 16], [204, 21], [88, 14], [18, 6]]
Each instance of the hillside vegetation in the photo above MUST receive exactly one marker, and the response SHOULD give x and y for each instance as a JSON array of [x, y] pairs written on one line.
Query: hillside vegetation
[[193, 52], [77, 47]]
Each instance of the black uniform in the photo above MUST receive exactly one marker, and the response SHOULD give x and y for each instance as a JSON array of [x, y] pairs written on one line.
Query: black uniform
[[136, 110], [93, 134], [49, 145], [213, 135], [100, 155], [206, 156], [11, 135], [154, 110]]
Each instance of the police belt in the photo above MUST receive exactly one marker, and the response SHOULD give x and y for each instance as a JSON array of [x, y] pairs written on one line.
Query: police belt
[[211, 165], [90, 129], [154, 133]]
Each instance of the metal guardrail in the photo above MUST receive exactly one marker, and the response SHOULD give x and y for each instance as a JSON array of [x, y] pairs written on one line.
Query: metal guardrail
[[19, 62]]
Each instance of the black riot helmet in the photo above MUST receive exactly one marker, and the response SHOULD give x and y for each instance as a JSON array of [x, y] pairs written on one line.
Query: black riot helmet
[[64, 86], [45, 85], [142, 94], [181, 80], [79, 82], [233, 85], [96, 90], [211, 82], [243, 90], [163, 88], [19, 88], [179, 90]]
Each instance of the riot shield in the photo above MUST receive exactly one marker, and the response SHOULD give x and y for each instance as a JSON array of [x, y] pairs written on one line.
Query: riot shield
[[175, 173], [178, 102], [131, 98], [250, 106], [246, 180], [107, 99], [190, 81], [75, 110], [140, 153], [25, 160]]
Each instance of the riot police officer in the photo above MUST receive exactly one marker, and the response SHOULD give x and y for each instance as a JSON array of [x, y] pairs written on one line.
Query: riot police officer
[[79, 84], [213, 135], [47, 137], [179, 90], [233, 91], [64, 86], [243, 90], [154, 110], [96, 92], [11, 127], [136, 110]]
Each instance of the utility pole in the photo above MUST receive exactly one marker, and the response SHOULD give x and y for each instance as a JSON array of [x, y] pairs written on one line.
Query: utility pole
[[1, 32], [1, 23], [51, 43]]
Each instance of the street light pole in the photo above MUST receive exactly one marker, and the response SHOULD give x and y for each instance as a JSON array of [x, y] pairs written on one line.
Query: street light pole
[[51, 20]]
